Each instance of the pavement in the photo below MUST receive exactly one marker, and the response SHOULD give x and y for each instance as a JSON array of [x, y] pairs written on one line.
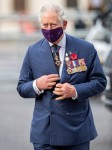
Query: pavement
[[16, 112]]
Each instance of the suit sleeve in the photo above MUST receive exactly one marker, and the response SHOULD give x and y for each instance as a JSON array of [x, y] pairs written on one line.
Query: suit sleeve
[[25, 83], [96, 80]]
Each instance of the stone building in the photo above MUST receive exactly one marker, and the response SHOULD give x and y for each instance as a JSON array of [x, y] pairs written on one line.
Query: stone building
[[9, 8], [33, 6]]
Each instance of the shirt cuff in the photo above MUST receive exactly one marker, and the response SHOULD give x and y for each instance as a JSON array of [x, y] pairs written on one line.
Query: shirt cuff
[[36, 89], [76, 96]]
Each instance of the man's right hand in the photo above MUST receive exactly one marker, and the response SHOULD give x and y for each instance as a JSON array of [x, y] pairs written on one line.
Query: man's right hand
[[47, 81]]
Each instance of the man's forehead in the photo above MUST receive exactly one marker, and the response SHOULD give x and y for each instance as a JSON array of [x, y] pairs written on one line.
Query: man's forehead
[[54, 19], [50, 14]]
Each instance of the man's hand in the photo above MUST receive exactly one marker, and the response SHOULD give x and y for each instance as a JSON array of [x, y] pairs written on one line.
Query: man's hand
[[47, 81], [65, 90]]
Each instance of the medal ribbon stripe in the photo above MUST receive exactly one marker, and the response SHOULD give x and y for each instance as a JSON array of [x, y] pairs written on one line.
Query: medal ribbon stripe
[[74, 64]]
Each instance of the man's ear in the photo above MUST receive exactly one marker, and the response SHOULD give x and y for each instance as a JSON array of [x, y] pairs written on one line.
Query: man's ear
[[64, 24]]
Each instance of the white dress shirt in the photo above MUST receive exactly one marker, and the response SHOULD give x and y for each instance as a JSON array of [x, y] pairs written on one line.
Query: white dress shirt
[[62, 43]]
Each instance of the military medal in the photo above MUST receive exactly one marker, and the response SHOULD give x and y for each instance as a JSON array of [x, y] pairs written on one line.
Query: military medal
[[67, 58], [82, 62], [84, 68], [69, 70], [57, 60], [74, 64]]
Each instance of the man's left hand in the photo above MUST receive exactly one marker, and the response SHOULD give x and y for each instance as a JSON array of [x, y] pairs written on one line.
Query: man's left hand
[[65, 90]]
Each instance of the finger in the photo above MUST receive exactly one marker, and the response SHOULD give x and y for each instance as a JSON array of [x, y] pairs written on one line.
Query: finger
[[51, 84], [57, 93], [54, 79], [59, 85], [59, 98], [58, 90], [49, 88], [53, 75]]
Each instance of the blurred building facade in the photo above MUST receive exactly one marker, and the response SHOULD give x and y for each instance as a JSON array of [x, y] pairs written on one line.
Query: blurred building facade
[[18, 23], [33, 6], [14, 13]]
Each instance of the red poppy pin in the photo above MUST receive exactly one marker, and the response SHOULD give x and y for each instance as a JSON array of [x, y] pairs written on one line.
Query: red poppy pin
[[73, 56]]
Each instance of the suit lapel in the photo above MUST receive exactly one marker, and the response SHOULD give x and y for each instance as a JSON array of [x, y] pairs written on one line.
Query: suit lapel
[[70, 47], [48, 59]]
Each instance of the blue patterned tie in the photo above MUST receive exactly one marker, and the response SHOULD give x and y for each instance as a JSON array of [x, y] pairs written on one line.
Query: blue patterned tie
[[55, 53]]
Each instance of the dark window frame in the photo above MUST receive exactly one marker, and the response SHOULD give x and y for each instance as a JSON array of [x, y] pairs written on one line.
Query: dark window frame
[[71, 3], [19, 5]]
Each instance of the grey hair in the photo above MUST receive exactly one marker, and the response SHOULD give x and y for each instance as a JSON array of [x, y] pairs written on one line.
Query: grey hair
[[55, 8]]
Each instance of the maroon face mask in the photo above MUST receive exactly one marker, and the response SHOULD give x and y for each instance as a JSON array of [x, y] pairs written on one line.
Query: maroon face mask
[[52, 35]]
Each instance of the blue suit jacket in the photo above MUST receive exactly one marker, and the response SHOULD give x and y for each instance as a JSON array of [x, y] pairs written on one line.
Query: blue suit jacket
[[65, 122]]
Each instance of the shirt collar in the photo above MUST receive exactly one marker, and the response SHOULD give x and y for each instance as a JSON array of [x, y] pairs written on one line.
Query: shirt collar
[[62, 43]]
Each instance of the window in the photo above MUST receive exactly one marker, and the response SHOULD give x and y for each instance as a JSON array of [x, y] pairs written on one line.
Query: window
[[19, 5], [71, 3]]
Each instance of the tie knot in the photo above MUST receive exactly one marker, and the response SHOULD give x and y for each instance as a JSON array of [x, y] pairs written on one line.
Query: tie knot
[[55, 48]]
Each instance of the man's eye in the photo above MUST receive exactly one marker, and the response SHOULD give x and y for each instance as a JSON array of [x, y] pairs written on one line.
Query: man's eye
[[53, 24], [45, 25]]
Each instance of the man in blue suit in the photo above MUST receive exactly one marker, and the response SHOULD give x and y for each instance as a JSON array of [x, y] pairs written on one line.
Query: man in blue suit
[[61, 72]]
